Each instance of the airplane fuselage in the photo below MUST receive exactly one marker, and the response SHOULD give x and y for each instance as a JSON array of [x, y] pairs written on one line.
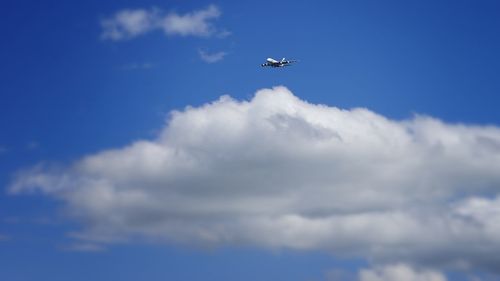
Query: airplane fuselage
[[275, 63]]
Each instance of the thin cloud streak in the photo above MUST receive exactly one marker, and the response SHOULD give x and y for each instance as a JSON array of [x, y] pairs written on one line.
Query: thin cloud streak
[[138, 66]]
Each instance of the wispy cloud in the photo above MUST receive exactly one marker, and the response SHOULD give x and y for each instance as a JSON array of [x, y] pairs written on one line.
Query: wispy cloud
[[128, 23], [400, 272], [211, 57], [279, 172], [32, 145]]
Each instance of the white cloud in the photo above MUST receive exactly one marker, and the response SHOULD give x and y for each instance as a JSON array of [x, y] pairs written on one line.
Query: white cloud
[[399, 272], [277, 171], [127, 24], [211, 57]]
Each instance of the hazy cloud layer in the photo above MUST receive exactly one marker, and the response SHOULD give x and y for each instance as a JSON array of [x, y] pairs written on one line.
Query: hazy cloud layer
[[83, 247], [129, 23], [277, 171]]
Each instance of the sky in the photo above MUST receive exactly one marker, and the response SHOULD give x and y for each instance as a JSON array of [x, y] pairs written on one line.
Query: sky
[[143, 140]]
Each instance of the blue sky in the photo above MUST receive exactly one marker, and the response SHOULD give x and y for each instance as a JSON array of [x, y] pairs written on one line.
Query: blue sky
[[89, 86]]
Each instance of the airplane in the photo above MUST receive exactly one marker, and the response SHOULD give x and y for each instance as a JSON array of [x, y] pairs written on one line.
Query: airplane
[[274, 63]]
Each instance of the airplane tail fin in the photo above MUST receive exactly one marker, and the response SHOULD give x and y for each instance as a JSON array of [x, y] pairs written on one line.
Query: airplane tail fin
[[283, 59]]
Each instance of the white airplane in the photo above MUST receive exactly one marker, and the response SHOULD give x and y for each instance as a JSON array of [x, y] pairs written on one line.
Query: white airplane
[[275, 63]]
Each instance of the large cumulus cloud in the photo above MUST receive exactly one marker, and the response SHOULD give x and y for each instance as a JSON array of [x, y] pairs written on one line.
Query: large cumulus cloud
[[278, 172]]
